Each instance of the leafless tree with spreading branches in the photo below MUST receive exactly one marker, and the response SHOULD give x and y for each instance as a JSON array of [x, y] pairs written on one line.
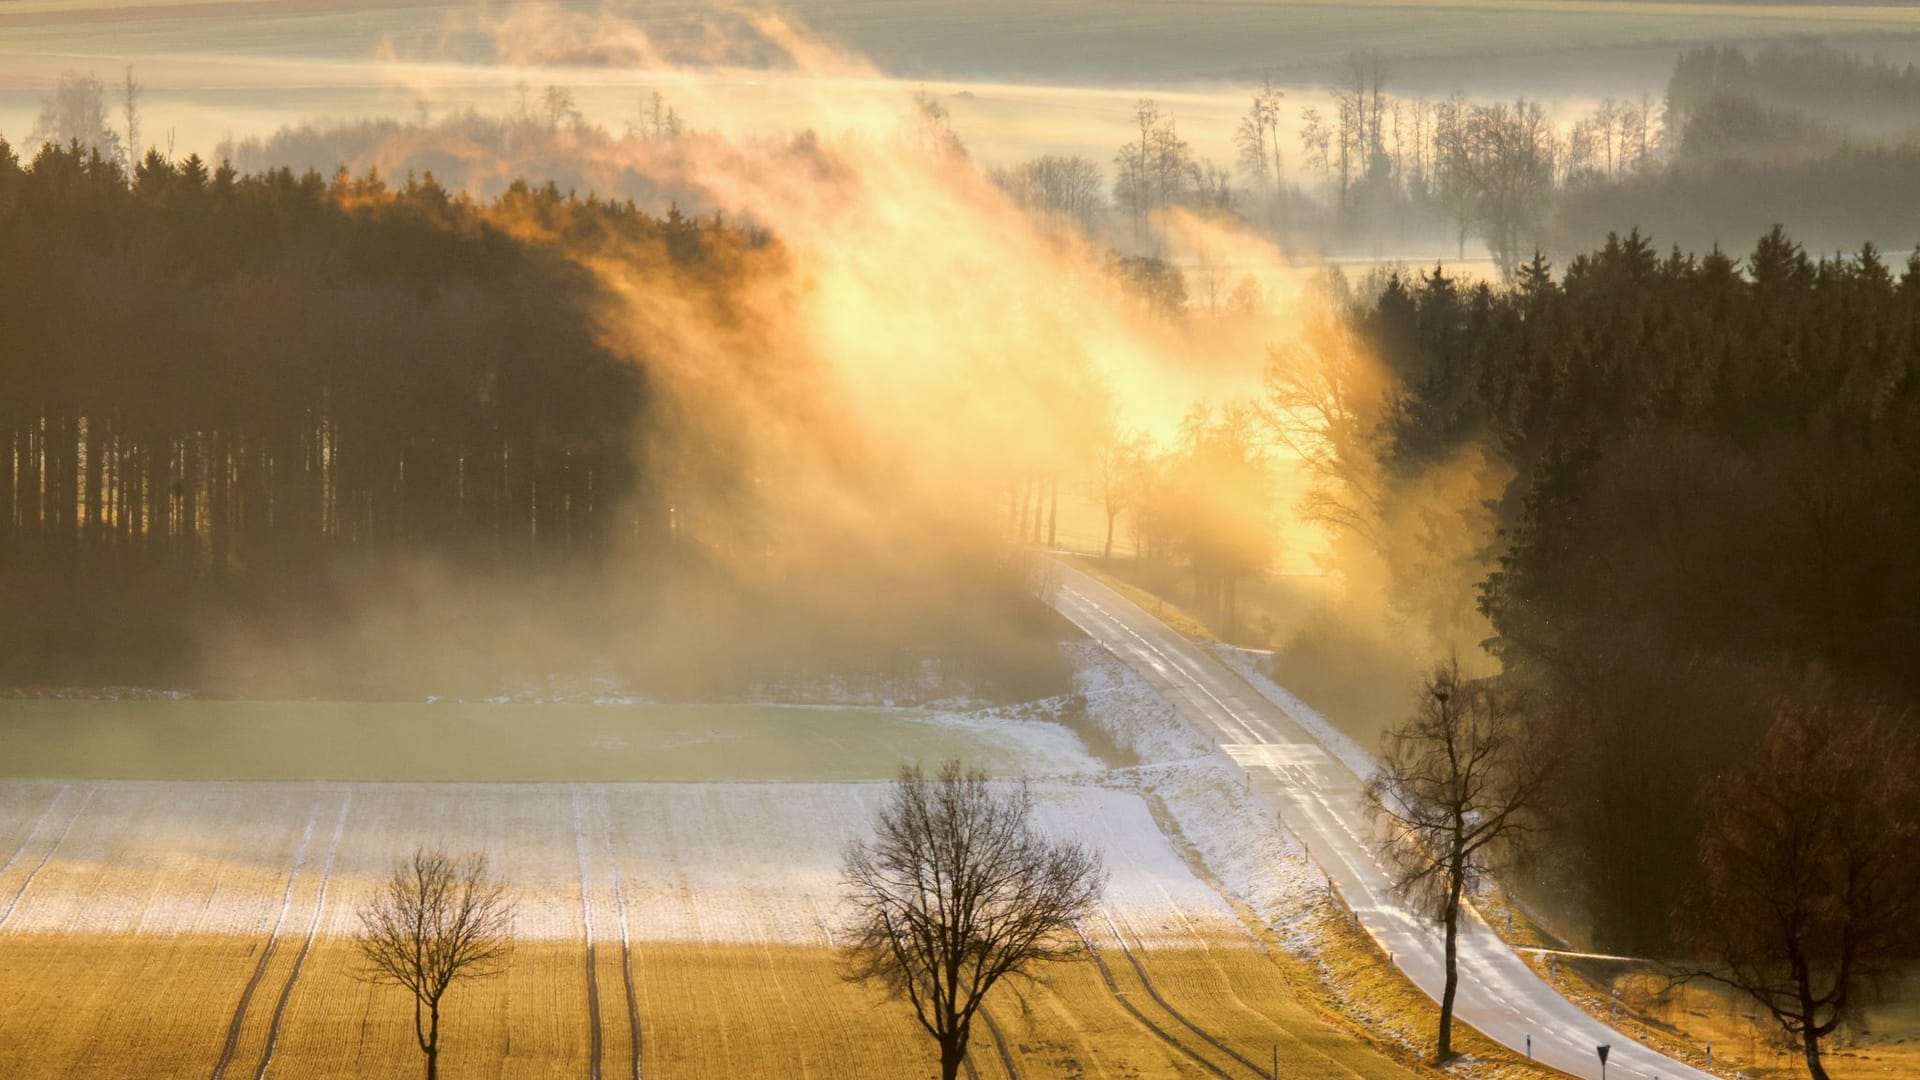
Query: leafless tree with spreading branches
[[958, 890], [1809, 891], [437, 919], [1456, 787]]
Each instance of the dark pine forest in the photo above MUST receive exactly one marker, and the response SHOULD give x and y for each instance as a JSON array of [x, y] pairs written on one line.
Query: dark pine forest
[[216, 390], [1714, 509]]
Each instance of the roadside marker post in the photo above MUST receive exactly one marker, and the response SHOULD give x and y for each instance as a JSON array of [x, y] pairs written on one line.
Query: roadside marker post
[[1529, 1046]]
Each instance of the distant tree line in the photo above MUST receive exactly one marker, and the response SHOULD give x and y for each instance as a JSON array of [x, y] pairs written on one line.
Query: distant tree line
[[1805, 78], [543, 135], [1803, 133]]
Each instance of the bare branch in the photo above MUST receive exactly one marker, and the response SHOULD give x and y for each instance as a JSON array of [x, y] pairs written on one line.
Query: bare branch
[[956, 891], [437, 919]]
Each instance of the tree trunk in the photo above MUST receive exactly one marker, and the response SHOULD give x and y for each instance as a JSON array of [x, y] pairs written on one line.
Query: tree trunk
[[1810, 1044], [219, 503], [95, 445], [159, 522], [1444, 1052], [1107, 554], [433, 1046], [953, 1053]]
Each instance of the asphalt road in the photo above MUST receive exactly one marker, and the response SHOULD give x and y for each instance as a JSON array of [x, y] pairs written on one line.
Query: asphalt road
[[1320, 800]]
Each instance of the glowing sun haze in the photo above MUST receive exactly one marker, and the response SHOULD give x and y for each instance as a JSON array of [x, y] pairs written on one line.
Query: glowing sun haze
[[917, 343]]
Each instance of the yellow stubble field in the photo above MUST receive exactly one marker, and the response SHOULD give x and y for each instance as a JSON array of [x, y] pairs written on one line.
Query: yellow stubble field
[[152, 1006], [204, 929]]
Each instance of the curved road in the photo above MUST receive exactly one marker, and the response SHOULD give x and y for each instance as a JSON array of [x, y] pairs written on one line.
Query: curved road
[[1320, 800]]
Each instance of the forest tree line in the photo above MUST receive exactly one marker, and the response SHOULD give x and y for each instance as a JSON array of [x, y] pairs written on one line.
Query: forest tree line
[[263, 407], [1712, 512], [214, 386]]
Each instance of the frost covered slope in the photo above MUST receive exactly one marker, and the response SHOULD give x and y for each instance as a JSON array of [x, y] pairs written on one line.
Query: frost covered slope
[[751, 863]]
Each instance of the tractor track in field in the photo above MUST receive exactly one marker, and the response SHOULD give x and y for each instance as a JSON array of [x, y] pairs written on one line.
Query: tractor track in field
[[626, 942], [596, 1046], [1113, 987], [27, 883], [1153, 991], [306, 947], [1000, 1045], [266, 954], [32, 830], [1257, 935]]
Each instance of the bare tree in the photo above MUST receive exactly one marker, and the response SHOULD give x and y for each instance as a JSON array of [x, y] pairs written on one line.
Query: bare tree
[[559, 106], [1326, 398], [1316, 139], [1258, 141], [1223, 505], [658, 120], [1452, 185], [1122, 461], [130, 114], [1456, 786], [1132, 182], [1061, 190], [76, 111], [1810, 886], [438, 919], [958, 890], [1507, 166], [1636, 135], [933, 129]]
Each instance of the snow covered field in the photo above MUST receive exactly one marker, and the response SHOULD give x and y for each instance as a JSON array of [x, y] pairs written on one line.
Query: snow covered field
[[740, 863], [718, 862]]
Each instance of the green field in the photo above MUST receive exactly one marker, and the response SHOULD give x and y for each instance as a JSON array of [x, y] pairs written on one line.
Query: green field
[[306, 740]]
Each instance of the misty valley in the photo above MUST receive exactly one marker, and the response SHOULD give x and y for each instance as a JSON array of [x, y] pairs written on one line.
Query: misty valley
[[1355, 540]]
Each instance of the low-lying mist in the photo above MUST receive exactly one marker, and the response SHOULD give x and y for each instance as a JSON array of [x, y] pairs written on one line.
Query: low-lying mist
[[860, 360], [848, 409]]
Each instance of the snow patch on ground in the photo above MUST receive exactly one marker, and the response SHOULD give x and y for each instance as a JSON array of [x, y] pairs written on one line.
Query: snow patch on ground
[[1242, 844], [1033, 737], [1247, 664], [1128, 709], [94, 693]]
